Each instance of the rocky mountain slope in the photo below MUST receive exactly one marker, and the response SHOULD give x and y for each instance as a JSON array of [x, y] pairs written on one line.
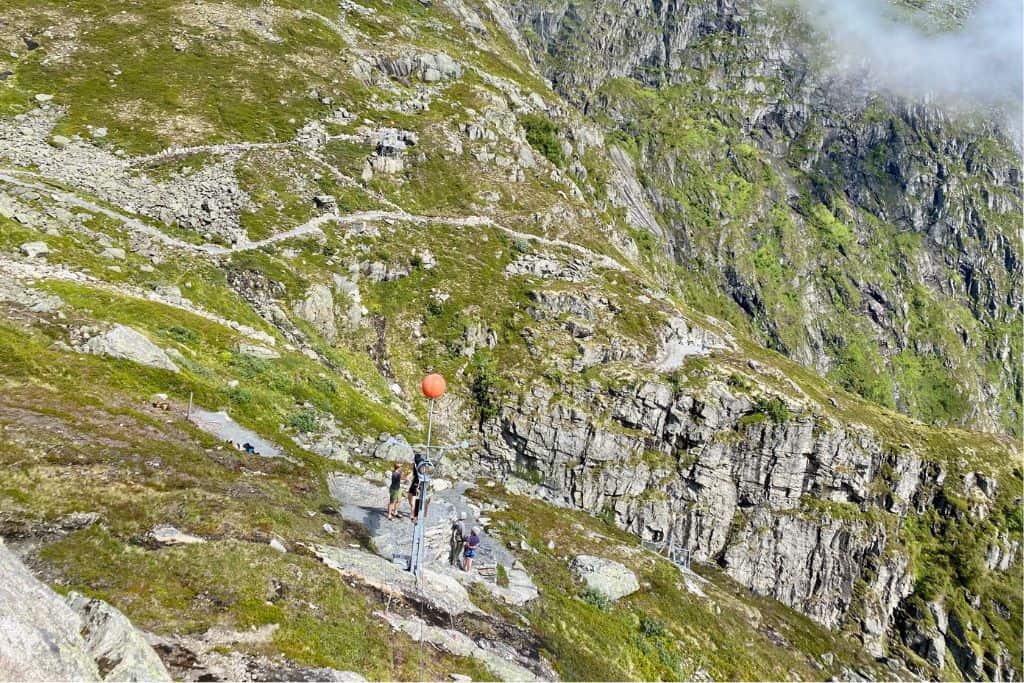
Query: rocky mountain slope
[[694, 291], [870, 238]]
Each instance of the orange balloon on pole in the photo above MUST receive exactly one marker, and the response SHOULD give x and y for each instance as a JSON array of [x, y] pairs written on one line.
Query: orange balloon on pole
[[433, 386]]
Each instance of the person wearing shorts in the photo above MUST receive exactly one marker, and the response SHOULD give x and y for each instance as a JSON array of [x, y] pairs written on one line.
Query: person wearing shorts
[[395, 491], [469, 553]]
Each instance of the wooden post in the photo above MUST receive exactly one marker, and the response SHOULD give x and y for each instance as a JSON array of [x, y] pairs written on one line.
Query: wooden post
[[188, 413]]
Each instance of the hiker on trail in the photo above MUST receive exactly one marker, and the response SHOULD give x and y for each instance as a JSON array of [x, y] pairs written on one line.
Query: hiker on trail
[[414, 487], [395, 491], [456, 541], [470, 552]]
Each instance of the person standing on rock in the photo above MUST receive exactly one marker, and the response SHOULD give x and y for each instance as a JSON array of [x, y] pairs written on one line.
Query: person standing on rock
[[470, 552], [395, 490], [457, 540], [414, 487]]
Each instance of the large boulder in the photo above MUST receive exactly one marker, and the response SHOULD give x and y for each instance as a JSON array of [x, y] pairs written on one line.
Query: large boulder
[[318, 310], [124, 342], [44, 637], [119, 650], [393, 449], [39, 633], [608, 577], [34, 249]]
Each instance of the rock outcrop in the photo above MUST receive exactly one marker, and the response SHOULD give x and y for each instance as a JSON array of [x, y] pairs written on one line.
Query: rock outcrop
[[608, 577], [124, 342], [119, 650], [318, 310], [44, 637], [792, 506]]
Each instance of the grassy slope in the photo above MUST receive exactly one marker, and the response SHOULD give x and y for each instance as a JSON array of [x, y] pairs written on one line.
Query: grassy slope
[[662, 632], [229, 84]]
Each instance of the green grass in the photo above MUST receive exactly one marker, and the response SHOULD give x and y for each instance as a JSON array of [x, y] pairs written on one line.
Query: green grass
[[542, 134], [210, 362], [323, 621], [662, 632], [210, 91]]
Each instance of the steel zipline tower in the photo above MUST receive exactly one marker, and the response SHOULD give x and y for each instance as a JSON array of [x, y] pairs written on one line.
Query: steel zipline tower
[[433, 388]]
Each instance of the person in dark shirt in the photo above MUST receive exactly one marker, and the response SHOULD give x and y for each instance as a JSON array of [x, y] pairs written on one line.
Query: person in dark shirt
[[414, 487], [456, 541], [472, 543], [395, 490]]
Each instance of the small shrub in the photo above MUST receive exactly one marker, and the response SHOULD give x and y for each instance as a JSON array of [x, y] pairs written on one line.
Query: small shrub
[[529, 474], [967, 556], [487, 385], [184, 335], [248, 366], [542, 135], [239, 396], [737, 381], [607, 515], [651, 627], [596, 598], [774, 408], [303, 421], [515, 528], [502, 576], [325, 385], [435, 308]]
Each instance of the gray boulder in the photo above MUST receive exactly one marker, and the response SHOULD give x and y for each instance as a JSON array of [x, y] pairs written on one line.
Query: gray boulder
[[393, 449], [318, 310], [39, 633], [124, 342], [119, 650], [165, 534], [34, 249], [608, 577]]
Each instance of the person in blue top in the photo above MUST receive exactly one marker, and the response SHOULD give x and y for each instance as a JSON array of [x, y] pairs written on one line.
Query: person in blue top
[[471, 544]]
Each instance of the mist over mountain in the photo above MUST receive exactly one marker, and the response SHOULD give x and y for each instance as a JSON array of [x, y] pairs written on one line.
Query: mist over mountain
[[958, 54]]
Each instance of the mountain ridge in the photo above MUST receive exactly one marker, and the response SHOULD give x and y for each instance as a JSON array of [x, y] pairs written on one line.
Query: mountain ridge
[[304, 206]]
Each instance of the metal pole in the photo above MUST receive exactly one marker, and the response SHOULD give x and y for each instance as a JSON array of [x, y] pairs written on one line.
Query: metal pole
[[430, 425], [419, 531]]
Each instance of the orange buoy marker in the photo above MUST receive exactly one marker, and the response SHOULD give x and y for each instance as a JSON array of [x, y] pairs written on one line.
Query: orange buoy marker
[[433, 386]]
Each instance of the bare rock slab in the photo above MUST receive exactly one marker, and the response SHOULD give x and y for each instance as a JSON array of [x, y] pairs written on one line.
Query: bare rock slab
[[439, 591], [459, 644], [44, 637], [120, 651], [124, 342], [608, 577]]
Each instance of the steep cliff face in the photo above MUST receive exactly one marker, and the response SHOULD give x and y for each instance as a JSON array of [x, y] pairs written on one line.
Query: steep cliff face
[[822, 517], [867, 237]]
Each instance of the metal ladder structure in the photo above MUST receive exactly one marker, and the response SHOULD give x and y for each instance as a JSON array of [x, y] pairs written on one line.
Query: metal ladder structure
[[680, 557], [425, 471]]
